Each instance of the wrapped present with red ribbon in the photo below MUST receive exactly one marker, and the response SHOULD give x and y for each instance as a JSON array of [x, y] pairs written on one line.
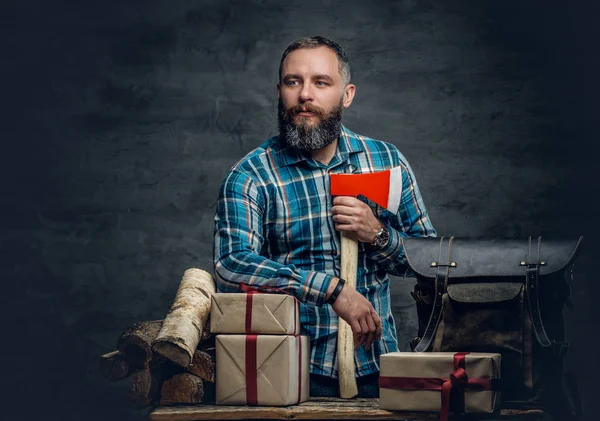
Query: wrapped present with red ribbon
[[262, 310], [270, 370], [440, 381]]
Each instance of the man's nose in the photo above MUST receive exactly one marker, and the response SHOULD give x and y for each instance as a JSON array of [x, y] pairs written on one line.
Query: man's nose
[[305, 93]]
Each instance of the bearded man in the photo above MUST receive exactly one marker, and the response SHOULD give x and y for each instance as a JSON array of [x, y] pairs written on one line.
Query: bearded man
[[277, 225]]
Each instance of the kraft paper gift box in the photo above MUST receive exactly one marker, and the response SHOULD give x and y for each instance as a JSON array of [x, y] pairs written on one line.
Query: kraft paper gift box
[[416, 381], [262, 313], [271, 370]]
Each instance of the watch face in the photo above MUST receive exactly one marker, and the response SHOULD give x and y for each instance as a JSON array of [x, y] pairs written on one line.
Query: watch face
[[382, 238]]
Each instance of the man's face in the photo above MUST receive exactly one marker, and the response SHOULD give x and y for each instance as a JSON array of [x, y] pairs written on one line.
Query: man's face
[[311, 97]]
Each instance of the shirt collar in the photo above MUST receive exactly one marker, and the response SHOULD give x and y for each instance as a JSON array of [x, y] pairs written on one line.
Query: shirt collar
[[348, 143]]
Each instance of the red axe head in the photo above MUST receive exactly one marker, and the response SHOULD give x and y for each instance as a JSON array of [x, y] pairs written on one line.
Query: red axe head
[[383, 187]]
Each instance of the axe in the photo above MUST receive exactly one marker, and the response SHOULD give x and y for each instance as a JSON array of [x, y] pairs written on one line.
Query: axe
[[383, 188]]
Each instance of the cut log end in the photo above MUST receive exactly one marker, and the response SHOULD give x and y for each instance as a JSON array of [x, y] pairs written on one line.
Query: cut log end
[[182, 388], [172, 352], [203, 366], [184, 324], [144, 388], [135, 343]]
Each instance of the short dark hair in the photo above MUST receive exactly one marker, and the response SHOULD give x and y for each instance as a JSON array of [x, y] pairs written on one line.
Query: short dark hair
[[315, 42]]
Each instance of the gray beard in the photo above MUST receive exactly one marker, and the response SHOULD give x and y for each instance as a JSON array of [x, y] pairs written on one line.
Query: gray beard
[[309, 138]]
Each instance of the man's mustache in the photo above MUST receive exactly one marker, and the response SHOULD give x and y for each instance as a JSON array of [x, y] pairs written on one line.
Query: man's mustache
[[307, 108]]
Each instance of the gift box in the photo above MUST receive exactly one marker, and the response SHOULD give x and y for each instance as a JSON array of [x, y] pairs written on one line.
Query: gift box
[[440, 381], [270, 370], [263, 313]]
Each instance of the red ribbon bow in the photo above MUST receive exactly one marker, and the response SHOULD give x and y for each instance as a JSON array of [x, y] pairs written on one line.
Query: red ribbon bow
[[454, 386]]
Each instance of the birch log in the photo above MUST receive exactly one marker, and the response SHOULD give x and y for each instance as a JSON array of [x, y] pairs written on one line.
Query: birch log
[[183, 326]]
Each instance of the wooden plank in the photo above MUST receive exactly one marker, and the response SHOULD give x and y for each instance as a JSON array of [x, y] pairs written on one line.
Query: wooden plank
[[218, 412], [357, 413], [352, 409], [318, 409]]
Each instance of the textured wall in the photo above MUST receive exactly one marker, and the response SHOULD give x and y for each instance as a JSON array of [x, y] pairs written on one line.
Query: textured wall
[[120, 119]]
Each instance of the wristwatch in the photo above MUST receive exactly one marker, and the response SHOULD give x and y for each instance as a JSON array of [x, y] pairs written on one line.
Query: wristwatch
[[381, 238]]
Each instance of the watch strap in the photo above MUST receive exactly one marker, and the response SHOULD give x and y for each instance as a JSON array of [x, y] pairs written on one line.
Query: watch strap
[[336, 291]]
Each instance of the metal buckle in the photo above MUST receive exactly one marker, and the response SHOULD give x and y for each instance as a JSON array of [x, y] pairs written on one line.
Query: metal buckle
[[413, 343], [436, 264], [532, 264]]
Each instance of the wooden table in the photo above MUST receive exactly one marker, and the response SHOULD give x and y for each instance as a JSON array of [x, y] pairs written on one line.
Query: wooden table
[[321, 409]]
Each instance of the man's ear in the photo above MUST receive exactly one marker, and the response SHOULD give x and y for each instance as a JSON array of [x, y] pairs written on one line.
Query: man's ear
[[349, 92], [278, 91]]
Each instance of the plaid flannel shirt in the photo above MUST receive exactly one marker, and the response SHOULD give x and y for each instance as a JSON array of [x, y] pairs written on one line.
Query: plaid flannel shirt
[[273, 227]]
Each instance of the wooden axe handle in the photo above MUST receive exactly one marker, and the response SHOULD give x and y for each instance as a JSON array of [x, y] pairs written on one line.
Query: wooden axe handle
[[345, 347]]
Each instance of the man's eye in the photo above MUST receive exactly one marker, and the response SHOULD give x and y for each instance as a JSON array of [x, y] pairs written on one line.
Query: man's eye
[[291, 82], [321, 83]]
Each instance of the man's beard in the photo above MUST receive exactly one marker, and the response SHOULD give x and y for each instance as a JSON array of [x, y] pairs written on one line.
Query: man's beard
[[309, 137]]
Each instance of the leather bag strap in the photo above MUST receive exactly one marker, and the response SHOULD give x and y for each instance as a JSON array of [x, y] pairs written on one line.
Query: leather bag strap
[[441, 281], [532, 277]]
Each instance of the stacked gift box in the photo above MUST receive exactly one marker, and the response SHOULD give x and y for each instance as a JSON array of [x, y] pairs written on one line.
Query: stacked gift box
[[440, 381], [261, 358]]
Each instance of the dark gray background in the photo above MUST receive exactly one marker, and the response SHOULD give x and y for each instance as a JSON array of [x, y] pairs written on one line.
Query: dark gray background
[[120, 118]]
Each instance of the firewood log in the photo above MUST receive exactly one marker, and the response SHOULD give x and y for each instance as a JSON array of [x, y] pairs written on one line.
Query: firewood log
[[183, 326], [203, 366], [114, 367], [182, 388], [144, 386], [136, 343]]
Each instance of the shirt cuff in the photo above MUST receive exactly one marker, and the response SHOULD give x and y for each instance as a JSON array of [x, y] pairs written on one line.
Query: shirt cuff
[[315, 288], [392, 251]]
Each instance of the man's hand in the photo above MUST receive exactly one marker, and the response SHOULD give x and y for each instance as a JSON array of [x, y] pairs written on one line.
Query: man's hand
[[358, 312], [355, 218]]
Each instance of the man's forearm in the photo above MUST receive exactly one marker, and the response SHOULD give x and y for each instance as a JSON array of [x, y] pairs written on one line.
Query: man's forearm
[[249, 268]]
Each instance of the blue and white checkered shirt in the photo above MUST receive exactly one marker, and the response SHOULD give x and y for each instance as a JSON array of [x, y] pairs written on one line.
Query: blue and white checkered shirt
[[273, 227]]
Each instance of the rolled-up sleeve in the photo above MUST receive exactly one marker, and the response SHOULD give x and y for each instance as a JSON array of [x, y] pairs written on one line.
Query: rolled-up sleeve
[[239, 239]]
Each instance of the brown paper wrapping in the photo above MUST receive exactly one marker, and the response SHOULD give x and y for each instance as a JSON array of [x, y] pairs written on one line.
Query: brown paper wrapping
[[275, 314], [437, 365], [278, 376]]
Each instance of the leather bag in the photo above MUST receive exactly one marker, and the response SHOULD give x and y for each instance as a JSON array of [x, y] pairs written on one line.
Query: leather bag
[[500, 295]]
